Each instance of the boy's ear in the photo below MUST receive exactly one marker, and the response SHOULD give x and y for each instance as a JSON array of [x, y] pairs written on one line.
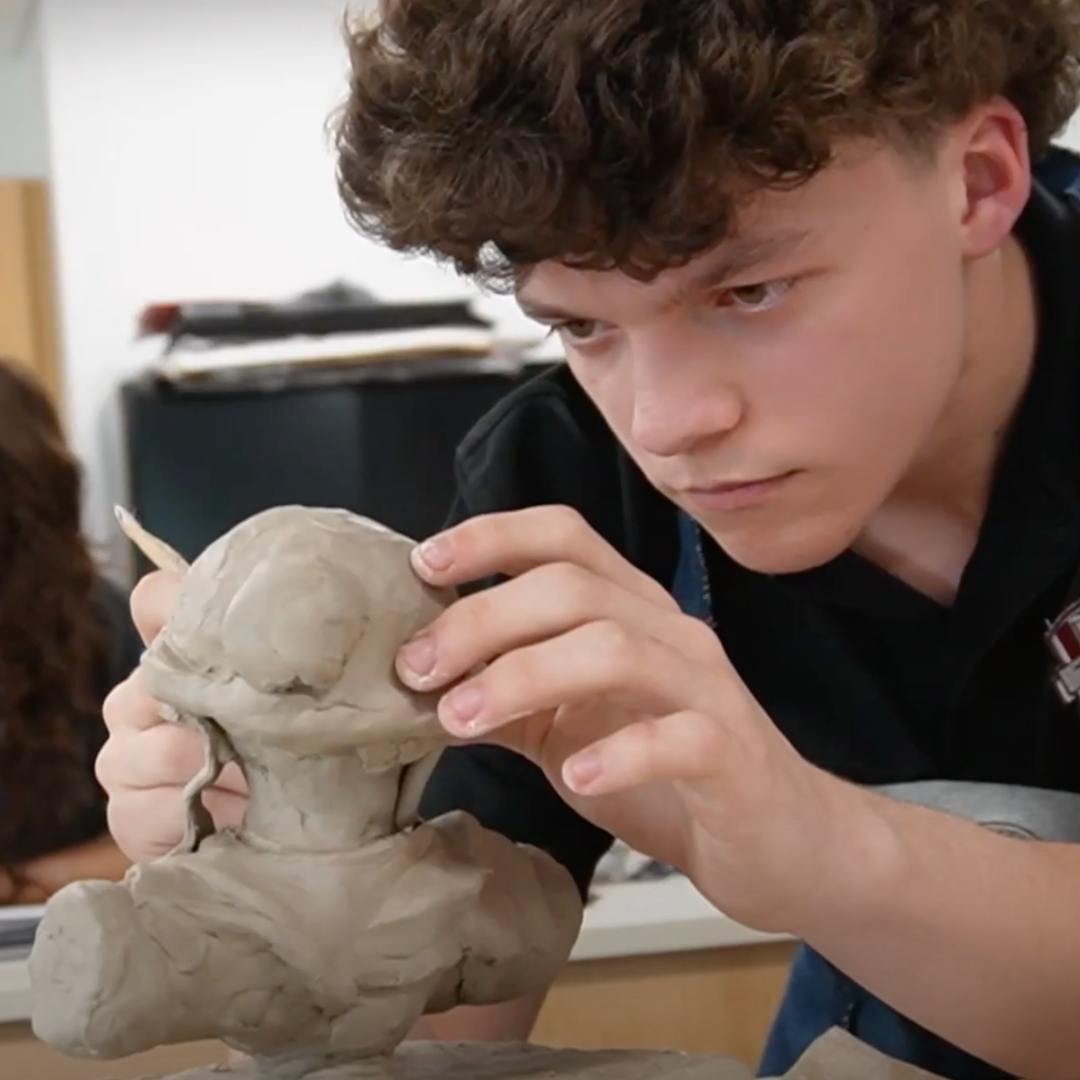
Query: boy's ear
[[993, 169]]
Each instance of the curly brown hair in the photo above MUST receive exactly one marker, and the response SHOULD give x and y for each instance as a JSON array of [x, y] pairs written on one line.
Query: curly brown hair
[[497, 134], [53, 639]]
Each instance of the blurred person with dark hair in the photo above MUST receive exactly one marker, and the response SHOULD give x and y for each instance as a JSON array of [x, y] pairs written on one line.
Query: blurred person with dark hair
[[65, 638]]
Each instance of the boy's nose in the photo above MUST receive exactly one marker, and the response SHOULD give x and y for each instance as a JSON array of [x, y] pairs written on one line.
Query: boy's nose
[[674, 412]]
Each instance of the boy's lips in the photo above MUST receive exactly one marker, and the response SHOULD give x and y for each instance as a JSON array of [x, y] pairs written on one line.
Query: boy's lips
[[734, 494]]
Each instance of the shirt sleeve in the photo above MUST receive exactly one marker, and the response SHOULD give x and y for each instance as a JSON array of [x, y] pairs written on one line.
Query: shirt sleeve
[[510, 795]]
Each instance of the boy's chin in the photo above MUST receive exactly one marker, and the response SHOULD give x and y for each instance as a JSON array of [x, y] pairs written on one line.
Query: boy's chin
[[789, 549]]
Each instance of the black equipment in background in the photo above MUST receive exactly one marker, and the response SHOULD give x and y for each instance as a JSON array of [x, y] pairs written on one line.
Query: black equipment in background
[[200, 462]]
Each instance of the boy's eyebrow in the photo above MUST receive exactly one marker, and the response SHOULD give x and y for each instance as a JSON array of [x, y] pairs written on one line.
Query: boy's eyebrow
[[735, 257], [739, 255]]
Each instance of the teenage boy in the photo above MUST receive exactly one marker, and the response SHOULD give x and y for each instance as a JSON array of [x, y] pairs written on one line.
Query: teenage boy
[[791, 521]]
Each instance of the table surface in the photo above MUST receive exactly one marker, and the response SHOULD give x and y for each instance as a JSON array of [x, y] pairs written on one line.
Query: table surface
[[626, 919]]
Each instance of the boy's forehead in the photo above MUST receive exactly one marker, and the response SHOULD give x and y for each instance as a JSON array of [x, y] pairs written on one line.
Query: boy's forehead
[[768, 225]]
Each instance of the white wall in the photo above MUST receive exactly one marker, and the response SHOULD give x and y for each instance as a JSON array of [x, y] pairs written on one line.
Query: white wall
[[22, 110], [190, 159], [1071, 136]]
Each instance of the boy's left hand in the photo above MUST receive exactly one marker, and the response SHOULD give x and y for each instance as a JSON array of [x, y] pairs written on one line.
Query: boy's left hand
[[632, 709]]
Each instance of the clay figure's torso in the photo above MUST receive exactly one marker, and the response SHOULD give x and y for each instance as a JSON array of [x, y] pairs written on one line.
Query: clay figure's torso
[[340, 926]]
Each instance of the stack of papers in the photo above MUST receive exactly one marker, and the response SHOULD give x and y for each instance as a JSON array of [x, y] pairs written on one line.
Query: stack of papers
[[334, 333], [332, 350]]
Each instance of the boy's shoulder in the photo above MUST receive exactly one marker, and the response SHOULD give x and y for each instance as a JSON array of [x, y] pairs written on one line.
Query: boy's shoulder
[[1050, 232], [546, 417], [1054, 243], [1058, 170]]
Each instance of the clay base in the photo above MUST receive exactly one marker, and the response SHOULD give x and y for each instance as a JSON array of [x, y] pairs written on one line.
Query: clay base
[[835, 1056]]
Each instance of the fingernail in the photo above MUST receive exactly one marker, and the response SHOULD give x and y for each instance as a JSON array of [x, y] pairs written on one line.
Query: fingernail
[[434, 554], [460, 707], [582, 770], [418, 656]]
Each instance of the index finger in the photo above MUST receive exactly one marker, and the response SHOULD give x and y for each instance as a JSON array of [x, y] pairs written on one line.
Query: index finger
[[514, 542]]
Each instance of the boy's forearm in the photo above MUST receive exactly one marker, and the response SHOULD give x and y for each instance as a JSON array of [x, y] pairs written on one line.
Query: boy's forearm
[[971, 934]]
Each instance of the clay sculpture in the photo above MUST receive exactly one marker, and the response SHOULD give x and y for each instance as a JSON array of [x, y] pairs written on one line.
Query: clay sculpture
[[322, 929], [315, 935]]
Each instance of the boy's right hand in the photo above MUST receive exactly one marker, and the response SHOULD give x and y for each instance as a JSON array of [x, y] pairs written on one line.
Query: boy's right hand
[[146, 761]]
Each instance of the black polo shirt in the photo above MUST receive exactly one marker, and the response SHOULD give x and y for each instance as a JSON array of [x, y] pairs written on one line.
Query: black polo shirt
[[867, 677]]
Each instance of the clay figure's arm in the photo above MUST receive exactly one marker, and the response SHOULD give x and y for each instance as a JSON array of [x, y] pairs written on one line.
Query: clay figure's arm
[[518, 934], [103, 988], [112, 977], [510, 795]]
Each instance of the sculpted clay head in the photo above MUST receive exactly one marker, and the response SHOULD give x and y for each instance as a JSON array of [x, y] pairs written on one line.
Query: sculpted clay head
[[285, 633]]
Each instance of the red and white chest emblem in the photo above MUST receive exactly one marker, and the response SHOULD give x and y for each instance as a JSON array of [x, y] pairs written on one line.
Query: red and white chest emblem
[[1063, 638]]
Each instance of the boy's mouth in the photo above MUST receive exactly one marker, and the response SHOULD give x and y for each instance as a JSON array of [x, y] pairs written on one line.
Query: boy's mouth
[[734, 494]]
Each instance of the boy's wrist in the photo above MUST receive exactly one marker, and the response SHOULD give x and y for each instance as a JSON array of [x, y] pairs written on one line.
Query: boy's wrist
[[858, 865], [830, 851]]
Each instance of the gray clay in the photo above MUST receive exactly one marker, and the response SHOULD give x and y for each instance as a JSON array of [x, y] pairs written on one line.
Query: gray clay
[[332, 919]]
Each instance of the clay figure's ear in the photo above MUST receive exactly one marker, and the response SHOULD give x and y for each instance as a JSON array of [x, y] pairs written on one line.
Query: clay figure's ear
[[293, 624]]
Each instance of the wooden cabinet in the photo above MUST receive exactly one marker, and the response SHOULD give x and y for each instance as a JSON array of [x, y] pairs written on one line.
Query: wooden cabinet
[[711, 1001], [22, 1057], [28, 324]]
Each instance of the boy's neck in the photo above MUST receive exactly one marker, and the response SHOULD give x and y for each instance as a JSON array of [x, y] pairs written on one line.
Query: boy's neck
[[927, 529]]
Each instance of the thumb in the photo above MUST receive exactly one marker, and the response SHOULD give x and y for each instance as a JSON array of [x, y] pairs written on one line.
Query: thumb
[[152, 601]]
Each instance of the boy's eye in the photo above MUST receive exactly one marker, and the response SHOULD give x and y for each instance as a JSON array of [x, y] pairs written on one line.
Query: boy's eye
[[759, 296], [577, 328], [756, 297], [751, 295]]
